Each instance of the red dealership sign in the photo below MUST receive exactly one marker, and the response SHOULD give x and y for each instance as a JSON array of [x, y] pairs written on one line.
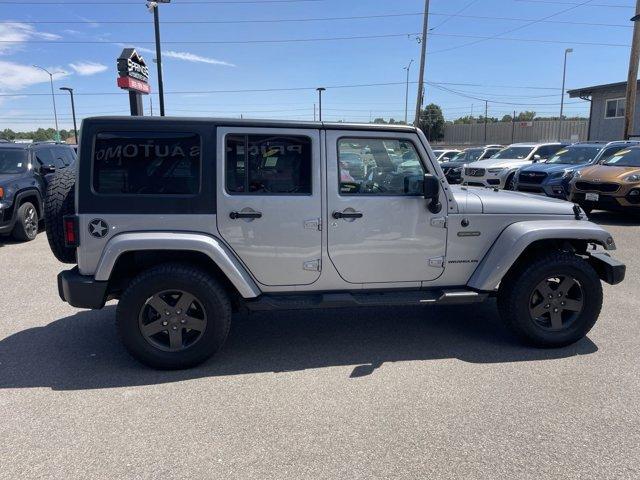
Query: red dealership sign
[[129, 83]]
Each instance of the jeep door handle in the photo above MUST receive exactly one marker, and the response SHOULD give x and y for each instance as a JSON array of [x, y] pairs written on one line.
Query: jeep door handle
[[236, 215], [338, 215]]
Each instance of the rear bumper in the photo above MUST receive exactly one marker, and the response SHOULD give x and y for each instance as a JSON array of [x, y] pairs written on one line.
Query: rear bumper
[[81, 291], [609, 269]]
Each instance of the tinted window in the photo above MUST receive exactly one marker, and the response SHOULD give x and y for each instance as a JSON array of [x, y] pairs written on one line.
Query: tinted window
[[629, 157], [13, 160], [547, 151], [377, 170], [608, 153], [514, 153], [44, 156], [576, 155], [268, 164], [146, 163]]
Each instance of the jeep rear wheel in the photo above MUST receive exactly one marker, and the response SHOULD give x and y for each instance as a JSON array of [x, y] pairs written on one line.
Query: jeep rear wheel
[[551, 301], [173, 316], [59, 201]]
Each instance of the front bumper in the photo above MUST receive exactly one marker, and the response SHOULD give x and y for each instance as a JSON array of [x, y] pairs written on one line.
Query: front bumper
[[606, 201], [487, 180], [609, 269], [554, 189], [7, 218], [81, 291]]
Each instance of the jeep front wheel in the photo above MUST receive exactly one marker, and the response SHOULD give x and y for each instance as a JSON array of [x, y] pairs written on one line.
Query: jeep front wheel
[[551, 301], [173, 316]]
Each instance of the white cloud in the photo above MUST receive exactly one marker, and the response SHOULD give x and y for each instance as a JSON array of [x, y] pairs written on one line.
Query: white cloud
[[187, 57], [16, 76], [88, 21], [88, 68], [14, 33]]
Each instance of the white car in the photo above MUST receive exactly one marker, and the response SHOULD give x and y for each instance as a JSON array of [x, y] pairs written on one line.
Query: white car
[[445, 155], [499, 170]]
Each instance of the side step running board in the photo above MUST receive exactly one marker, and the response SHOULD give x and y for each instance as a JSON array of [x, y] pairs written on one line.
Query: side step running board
[[363, 299]]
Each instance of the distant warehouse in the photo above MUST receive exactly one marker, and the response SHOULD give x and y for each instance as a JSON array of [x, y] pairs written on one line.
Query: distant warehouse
[[606, 117]]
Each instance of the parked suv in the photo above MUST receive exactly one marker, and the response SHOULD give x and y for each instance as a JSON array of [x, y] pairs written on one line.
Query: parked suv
[[453, 168], [499, 171], [186, 220], [553, 176], [613, 184], [25, 169]]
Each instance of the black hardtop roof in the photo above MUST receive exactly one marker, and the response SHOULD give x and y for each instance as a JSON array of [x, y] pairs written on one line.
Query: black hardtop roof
[[238, 122]]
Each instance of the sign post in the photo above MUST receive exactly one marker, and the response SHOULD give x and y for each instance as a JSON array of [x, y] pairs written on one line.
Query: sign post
[[133, 76]]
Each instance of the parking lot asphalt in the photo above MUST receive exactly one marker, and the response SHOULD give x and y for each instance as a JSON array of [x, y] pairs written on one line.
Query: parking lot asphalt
[[431, 392]]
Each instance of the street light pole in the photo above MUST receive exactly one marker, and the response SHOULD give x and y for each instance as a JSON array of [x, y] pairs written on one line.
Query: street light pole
[[53, 99], [406, 95], [153, 7], [73, 111], [423, 58], [632, 77], [320, 90], [564, 77]]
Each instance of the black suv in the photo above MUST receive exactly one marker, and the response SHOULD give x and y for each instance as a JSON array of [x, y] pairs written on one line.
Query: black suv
[[25, 169]]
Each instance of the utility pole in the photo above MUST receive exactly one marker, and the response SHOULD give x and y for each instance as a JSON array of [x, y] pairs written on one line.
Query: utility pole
[[423, 55], [151, 104], [53, 99], [320, 90], [73, 111], [513, 127], [486, 108], [564, 76], [314, 112], [153, 7], [632, 78], [406, 95]]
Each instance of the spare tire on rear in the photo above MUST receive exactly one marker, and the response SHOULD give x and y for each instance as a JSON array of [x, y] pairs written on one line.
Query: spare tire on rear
[[59, 201]]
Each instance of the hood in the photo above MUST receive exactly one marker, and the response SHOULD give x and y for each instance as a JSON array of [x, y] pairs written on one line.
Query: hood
[[453, 164], [6, 178], [607, 173], [508, 202], [550, 167], [500, 163]]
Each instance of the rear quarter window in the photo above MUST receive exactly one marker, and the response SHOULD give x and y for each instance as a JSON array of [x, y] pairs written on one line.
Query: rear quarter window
[[146, 163]]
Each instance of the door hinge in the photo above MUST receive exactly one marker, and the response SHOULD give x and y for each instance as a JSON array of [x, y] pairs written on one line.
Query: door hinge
[[313, 224], [440, 222], [312, 265], [436, 262]]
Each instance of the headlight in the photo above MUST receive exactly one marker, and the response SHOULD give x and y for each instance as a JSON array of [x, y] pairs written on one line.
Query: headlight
[[576, 174], [568, 174], [495, 170], [633, 178]]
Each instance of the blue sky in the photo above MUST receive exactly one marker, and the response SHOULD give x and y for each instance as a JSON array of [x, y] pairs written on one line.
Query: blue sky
[[526, 73]]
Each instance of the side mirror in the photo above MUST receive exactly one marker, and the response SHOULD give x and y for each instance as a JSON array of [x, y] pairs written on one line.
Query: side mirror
[[46, 169], [432, 193], [536, 158]]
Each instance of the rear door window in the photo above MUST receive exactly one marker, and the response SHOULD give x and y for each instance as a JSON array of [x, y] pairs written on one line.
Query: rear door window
[[146, 163], [268, 165]]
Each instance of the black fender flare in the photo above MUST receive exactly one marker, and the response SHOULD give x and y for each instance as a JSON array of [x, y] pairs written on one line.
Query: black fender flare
[[26, 192]]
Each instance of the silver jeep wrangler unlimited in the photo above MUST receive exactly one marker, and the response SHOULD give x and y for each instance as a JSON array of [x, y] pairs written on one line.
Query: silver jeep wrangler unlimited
[[186, 220]]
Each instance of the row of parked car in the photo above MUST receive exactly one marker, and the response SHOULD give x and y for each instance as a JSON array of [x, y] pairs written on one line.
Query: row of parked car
[[596, 175]]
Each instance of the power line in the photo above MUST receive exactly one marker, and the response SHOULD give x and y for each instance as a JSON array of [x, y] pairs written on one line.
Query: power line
[[320, 19], [321, 39], [449, 17], [528, 24], [557, 2]]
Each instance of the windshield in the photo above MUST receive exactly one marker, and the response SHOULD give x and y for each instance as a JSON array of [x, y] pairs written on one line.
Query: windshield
[[625, 158], [514, 152], [575, 155], [470, 155], [13, 161]]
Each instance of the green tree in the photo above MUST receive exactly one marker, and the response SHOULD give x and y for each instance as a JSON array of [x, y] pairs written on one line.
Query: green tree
[[432, 122]]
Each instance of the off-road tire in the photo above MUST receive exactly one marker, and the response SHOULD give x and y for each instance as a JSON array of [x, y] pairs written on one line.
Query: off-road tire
[[518, 286], [22, 230], [59, 201], [174, 276]]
